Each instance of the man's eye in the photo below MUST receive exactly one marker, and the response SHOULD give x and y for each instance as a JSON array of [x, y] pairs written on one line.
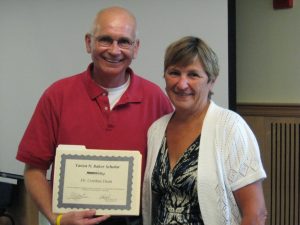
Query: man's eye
[[105, 41], [124, 41]]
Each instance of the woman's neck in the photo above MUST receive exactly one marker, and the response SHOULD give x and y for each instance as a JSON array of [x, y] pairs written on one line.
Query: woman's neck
[[185, 116]]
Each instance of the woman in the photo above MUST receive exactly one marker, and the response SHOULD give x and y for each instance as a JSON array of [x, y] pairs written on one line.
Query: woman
[[203, 164]]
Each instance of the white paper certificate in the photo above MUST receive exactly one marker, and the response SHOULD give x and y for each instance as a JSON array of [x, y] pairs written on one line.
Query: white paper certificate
[[106, 180]]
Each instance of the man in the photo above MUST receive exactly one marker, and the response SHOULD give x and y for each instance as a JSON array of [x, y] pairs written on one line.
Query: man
[[105, 107]]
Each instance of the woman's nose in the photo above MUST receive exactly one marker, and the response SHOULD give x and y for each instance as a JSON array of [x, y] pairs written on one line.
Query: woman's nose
[[183, 82]]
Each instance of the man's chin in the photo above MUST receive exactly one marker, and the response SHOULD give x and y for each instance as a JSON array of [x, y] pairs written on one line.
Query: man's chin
[[111, 68]]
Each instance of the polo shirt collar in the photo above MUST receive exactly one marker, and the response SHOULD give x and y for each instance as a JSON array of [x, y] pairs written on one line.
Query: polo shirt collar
[[134, 92]]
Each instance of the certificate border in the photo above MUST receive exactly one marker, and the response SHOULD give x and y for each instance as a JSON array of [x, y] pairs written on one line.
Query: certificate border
[[127, 206]]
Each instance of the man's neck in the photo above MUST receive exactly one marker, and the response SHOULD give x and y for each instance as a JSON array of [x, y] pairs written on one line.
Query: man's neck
[[110, 81]]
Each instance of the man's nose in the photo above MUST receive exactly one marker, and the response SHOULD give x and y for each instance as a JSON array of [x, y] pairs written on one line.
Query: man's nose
[[114, 47]]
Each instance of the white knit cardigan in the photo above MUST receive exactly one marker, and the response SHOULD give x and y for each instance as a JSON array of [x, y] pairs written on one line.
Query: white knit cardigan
[[229, 159]]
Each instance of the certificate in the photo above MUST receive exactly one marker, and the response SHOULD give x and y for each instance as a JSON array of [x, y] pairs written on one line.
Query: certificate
[[106, 180]]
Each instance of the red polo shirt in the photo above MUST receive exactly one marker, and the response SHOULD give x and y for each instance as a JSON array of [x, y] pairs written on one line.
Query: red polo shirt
[[75, 110]]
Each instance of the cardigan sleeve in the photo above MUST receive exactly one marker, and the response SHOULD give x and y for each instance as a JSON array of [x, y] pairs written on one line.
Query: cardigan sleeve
[[240, 150]]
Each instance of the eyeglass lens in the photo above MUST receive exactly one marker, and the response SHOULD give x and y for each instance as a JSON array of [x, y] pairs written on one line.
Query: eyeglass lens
[[107, 41]]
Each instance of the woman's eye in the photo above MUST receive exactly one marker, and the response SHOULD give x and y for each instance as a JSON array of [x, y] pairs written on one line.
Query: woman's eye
[[194, 75], [173, 73]]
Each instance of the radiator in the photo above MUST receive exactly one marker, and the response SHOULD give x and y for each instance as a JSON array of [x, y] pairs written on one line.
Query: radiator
[[284, 171]]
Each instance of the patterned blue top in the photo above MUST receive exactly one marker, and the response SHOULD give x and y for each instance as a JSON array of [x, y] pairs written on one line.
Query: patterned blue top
[[176, 190]]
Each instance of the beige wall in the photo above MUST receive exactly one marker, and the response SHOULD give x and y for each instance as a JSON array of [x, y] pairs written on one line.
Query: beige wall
[[28, 26], [268, 52], [27, 67]]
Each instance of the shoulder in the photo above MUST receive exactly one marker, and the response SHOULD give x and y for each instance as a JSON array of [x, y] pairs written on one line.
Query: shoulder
[[66, 82], [147, 85], [160, 124], [149, 92], [232, 130], [156, 132], [225, 117], [227, 125], [222, 112], [58, 90], [70, 83]]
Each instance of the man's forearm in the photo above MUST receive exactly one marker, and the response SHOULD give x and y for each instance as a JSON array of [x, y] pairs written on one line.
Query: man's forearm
[[39, 189]]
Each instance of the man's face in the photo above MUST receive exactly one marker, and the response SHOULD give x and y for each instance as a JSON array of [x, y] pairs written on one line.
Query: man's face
[[110, 52]]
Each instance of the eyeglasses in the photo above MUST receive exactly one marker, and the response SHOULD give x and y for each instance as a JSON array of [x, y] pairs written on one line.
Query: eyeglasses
[[107, 41]]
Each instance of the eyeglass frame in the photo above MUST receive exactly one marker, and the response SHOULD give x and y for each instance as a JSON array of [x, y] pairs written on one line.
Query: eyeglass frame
[[110, 41]]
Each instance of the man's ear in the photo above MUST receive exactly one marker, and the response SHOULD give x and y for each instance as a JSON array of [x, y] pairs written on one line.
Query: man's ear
[[88, 42], [136, 48]]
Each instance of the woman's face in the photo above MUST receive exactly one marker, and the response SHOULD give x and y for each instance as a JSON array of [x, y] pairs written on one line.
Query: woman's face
[[188, 86]]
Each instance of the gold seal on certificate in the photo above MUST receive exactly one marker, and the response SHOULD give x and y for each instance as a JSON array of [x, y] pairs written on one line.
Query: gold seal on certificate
[[106, 180]]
